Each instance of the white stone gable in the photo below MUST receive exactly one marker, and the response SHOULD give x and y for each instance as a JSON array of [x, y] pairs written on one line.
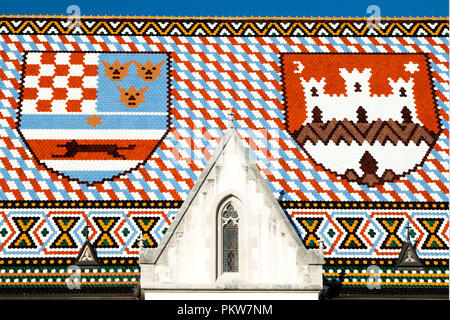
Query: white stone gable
[[271, 254]]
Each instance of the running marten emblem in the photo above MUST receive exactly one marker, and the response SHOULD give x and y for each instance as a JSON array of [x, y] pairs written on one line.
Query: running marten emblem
[[368, 118], [91, 116]]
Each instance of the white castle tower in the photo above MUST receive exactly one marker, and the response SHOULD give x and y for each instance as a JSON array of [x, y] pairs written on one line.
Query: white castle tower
[[360, 135], [358, 94]]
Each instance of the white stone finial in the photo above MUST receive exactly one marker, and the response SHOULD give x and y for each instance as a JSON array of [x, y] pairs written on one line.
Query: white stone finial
[[230, 123]]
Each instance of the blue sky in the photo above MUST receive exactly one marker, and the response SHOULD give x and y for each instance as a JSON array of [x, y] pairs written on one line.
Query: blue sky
[[282, 8]]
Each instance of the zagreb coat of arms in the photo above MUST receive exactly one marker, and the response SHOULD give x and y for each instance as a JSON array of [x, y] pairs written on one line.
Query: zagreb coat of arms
[[368, 118]]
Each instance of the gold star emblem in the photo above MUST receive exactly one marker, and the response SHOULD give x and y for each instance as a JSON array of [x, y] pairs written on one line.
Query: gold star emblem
[[94, 121]]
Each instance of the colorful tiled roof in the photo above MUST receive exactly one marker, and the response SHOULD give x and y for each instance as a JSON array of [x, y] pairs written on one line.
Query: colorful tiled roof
[[53, 77]]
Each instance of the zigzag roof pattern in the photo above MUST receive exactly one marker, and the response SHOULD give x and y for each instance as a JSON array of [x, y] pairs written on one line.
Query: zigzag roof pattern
[[223, 27]]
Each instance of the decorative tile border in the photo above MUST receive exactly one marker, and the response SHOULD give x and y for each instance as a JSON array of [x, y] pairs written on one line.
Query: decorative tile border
[[52, 279], [219, 27], [386, 281], [54, 236], [173, 204], [163, 204]]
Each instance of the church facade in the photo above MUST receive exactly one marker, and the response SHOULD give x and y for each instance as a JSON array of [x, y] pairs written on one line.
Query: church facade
[[123, 175], [231, 239]]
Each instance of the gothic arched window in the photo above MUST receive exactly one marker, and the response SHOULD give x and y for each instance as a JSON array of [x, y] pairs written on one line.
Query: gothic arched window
[[230, 252]]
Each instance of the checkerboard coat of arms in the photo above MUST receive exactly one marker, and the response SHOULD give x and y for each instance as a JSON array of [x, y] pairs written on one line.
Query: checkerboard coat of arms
[[367, 118], [93, 116]]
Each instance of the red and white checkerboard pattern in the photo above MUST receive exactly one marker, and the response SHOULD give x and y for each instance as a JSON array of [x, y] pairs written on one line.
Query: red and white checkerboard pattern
[[59, 83]]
